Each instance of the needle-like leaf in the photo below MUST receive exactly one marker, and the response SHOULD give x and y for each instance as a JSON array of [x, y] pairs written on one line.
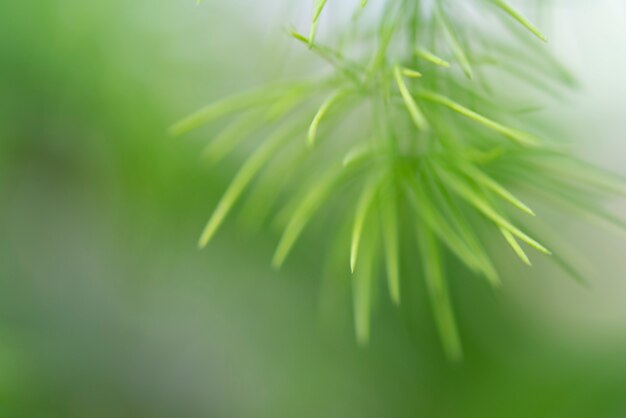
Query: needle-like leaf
[[416, 114], [347, 68], [510, 239], [565, 197], [301, 218], [458, 220], [363, 208], [319, 7], [455, 45], [231, 136], [224, 108], [307, 207], [464, 190], [242, 180], [427, 211], [362, 284], [407, 72], [484, 180], [432, 58], [439, 294], [515, 135], [389, 219], [521, 19], [579, 172], [324, 108]]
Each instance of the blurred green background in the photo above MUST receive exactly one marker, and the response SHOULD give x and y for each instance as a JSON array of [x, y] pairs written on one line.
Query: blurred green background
[[108, 310]]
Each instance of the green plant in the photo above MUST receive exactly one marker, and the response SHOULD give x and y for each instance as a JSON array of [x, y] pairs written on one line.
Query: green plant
[[439, 153]]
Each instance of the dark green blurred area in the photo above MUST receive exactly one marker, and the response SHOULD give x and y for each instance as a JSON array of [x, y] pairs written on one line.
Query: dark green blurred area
[[108, 310]]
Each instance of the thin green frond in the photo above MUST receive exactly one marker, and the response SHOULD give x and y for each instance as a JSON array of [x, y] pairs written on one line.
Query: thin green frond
[[362, 285], [239, 130], [389, 220], [222, 108], [299, 37], [265, 195], [324, 108], [521, 19], [319, 7], [350, 70], [312, 34], [231, 136], [301, 218], [464, 190], [439, 294], [455, 45], [579, 206], [531, 56], [428, 212], [306, 208], [291, 98], [579, 172], [515, 135], [432, 58], [414, 111], [519, 251], [458, 220], [407, 72], [568, 196], [386, 31], [484, 180], [528, 74], [243, 178], [363, 208]]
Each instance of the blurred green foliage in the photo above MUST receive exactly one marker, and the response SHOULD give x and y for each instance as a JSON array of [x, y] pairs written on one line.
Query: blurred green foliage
[[107, 309]]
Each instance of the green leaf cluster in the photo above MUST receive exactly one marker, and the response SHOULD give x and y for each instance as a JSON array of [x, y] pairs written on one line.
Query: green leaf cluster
[[442, 152]]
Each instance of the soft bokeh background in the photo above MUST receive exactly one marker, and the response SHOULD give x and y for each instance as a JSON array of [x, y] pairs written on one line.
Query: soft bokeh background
[[108, 310]]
